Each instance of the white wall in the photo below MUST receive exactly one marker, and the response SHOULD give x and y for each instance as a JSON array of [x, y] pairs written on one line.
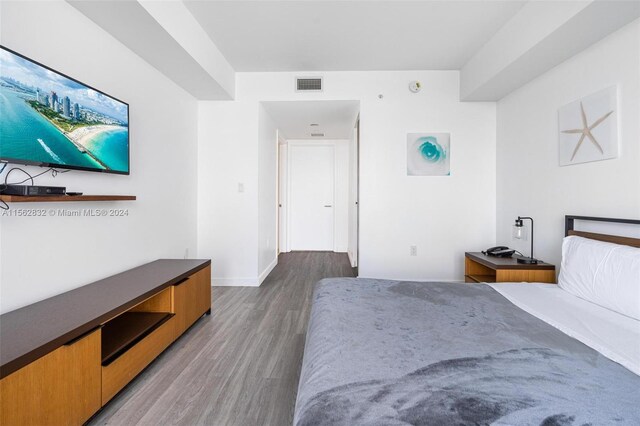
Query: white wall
[[443, 216], [42, 257], [228, 219], [530, 182], [341, 202], [267, 193], [341, 183]]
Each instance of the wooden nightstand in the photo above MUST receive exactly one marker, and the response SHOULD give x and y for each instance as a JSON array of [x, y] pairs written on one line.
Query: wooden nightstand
[[479, 268]]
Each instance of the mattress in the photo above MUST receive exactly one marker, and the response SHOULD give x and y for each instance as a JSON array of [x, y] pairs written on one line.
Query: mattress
[[382, 352]]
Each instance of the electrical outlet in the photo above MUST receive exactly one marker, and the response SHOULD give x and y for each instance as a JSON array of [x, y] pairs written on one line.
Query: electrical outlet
[[186, 253], [240, 187], [413, 250]]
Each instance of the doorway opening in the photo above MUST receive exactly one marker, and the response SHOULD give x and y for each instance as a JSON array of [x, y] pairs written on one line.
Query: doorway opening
[[317, 176]]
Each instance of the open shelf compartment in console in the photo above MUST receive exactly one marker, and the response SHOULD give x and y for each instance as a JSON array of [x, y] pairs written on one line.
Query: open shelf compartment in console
[[124, 331]]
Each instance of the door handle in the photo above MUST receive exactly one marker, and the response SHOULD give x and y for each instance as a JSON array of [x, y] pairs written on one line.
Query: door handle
[[80, 337], [181, 282], [328, 205]]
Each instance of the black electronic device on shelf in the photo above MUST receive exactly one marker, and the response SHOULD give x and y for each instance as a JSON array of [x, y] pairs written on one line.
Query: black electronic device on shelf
[[32, 190]]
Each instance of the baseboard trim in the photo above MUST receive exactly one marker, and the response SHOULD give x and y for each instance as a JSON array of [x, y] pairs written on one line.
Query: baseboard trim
[[351, 260], [244, 282], [235, 282], [267, 271], [418, 280]]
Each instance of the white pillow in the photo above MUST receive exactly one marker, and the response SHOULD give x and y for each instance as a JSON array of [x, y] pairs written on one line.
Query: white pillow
[[602, 273]]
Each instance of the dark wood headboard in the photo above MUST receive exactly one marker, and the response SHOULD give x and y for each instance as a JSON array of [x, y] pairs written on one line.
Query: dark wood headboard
[[627, 241]]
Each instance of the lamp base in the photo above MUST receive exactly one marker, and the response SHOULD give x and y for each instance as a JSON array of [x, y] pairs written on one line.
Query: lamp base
[[526, 260]]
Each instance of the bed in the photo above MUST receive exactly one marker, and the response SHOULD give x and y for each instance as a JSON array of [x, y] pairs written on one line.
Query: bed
[[381, 352]]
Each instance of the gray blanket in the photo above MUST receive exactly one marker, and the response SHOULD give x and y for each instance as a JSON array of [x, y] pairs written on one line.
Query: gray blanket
[[405, 353]]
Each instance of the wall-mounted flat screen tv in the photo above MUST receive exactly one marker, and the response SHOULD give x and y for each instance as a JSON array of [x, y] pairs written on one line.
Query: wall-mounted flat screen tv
[[52, 120]]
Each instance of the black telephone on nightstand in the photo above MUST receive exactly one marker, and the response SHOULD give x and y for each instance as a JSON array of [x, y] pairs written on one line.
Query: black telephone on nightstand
[[499, 251]]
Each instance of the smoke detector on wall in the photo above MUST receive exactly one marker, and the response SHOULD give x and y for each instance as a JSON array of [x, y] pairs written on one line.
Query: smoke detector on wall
[[415, 86]]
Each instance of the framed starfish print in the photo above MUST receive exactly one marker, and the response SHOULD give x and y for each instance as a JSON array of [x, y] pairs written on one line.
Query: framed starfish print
[[589, 128]]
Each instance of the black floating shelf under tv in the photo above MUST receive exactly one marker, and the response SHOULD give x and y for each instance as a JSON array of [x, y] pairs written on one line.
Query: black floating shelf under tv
[[124, 331]]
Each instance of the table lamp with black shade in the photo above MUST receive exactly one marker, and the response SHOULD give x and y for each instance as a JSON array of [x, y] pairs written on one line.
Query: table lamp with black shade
[[518, 232]]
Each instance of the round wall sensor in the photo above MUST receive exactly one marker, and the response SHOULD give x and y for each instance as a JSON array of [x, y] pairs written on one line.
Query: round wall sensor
[[415, 86]]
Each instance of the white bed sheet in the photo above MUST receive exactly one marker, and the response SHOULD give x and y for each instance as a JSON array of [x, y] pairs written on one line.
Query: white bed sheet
[[614, 335]]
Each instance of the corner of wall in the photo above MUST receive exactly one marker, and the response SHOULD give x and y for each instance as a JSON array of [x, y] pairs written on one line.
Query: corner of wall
[[264, 274]]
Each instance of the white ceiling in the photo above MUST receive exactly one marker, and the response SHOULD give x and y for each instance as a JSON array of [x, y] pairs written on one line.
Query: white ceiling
[[132, 24], [350, 35], [497, 45], [335, 119]]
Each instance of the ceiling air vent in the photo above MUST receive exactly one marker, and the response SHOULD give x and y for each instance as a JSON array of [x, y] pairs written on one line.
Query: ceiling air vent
[[307, 84], [317, 135]]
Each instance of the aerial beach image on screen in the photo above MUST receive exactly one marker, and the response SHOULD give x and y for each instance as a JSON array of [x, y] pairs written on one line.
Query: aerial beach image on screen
[[52, 119]]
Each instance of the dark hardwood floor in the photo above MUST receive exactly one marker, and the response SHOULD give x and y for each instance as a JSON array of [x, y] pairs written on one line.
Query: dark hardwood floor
[[239, 366]]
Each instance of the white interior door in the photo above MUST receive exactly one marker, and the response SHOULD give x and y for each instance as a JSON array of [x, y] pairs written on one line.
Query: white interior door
[[311, 203]]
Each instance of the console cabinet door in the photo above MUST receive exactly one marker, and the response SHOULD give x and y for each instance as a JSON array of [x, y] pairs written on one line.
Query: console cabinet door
[[203, 291], [61, 388], [181, 302], [192, 298]]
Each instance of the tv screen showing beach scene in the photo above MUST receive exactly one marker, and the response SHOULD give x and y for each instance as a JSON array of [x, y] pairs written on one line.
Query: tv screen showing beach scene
[[52, 120]]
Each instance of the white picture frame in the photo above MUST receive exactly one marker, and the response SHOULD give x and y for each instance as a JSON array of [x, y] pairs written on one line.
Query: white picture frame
[[588, 128], [428, 154]]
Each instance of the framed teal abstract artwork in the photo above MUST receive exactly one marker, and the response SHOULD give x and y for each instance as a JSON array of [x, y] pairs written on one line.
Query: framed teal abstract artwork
[[428, 154]]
